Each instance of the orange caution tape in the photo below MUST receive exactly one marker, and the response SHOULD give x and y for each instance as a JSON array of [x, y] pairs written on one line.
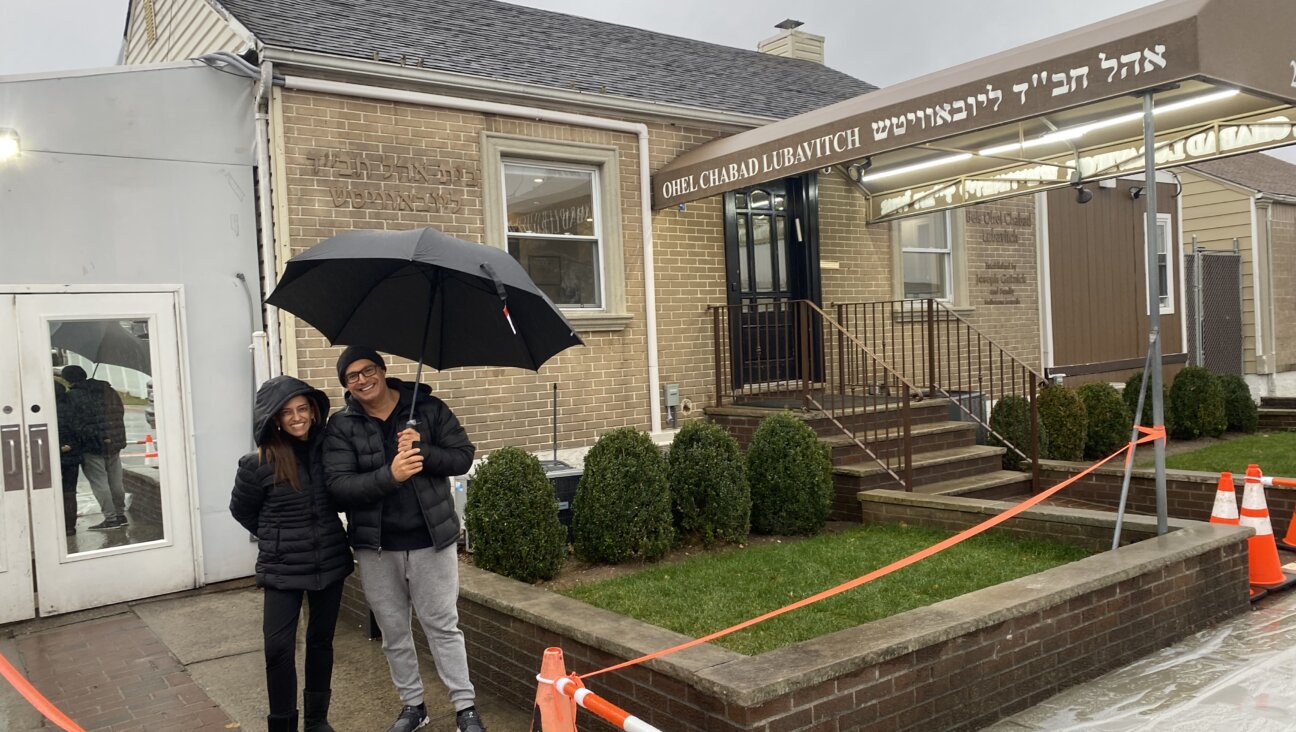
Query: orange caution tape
[[35, 698], [1150, 434]]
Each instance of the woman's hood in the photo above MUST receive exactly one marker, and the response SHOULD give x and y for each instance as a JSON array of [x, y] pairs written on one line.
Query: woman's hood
[[273, 395]]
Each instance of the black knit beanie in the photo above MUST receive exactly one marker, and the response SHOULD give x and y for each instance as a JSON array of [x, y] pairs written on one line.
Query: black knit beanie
[[357, 353]]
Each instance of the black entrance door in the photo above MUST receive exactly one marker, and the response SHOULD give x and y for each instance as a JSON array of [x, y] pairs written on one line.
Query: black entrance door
[[771, 257]]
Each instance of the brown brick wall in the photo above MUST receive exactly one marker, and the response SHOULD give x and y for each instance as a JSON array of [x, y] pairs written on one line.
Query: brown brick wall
[[1014, 647]]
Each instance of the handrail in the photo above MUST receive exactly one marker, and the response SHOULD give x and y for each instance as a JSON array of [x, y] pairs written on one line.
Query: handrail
[[933, 345], [781, 362]]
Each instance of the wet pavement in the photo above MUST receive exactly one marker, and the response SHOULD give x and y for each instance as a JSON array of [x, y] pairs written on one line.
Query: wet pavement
[[1239, 676], [194, 662]]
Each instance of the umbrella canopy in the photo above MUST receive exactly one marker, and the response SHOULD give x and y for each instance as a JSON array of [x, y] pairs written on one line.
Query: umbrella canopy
[[102, 341], [424, 295]]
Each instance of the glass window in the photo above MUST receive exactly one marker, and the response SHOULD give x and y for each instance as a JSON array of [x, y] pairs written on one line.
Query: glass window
[[553, 229], [926, 256], [1165, 281]]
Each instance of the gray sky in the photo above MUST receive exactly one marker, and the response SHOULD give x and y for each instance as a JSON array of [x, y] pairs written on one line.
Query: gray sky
[[880, 41]]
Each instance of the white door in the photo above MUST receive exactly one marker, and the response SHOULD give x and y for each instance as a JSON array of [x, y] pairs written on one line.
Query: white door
[[105, 495], [16, 587]]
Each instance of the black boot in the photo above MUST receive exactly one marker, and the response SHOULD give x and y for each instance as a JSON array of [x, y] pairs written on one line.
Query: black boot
[[315, 705], [282, 722]]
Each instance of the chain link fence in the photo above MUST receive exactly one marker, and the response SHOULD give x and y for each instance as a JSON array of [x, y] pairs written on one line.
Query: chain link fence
[[1214, 310]]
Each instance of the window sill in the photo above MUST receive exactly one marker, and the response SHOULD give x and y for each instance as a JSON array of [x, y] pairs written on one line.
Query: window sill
[[919, 313], [590, 322]]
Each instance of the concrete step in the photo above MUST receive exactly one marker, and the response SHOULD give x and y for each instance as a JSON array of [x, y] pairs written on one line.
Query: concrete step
[[741, 421], [930, 467], [1277, 419], [1278, 402], [924, 438], [992, 486]]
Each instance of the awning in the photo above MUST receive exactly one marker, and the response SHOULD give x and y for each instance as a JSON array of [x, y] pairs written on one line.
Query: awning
[[1058, 112]]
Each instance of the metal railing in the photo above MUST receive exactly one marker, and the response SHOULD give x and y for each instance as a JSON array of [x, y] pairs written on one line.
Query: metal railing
[[792, 354], [929, 344], [863, 365]]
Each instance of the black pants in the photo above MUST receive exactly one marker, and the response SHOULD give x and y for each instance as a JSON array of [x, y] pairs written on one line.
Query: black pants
[[70, 471], [279, 624]]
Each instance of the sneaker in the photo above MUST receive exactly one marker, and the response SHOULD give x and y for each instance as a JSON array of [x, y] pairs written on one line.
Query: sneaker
[[120, 520], [107, 524], [469, 720], [410, 719]]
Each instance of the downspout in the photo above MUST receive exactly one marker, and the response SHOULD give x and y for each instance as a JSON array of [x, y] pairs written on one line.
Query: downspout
[[544, 115], [269, 268]]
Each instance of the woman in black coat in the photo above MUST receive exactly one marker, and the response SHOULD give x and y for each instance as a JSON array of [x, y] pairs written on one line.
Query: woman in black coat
[[279, 496]]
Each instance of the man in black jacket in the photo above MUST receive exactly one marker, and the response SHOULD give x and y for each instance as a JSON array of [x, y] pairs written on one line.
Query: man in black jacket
[[392, 479], [99, 418]]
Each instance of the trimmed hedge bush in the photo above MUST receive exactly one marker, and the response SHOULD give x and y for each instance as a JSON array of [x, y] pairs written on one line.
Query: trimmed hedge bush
[[1240, 411], [1063, 417], [1196, 405], [622, 508], [1110, 422], [790, 473], [1010, 417], [512, 517], [710, 499], [1131, 395]]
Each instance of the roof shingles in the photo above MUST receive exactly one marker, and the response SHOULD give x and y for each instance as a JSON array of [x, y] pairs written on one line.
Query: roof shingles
[[1257, 171], [497, 40]]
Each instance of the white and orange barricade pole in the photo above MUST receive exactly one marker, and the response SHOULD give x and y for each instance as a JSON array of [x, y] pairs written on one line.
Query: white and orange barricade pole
[[571, 687], [1288, 542], [1225, 510], [1265, 569]]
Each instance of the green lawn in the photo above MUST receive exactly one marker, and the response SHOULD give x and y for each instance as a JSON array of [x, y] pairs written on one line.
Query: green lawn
[[1274, 452], [716, 590]]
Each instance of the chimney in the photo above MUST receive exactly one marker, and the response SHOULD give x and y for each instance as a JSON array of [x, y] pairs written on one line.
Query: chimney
[[794, 43]]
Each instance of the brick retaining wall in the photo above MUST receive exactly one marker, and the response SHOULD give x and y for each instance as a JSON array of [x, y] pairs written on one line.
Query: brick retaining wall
[[958, 664]]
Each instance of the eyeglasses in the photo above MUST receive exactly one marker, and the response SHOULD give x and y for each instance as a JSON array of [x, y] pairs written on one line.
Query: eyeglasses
[[367, 372]]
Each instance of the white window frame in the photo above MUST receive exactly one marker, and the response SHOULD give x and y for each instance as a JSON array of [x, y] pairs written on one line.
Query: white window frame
[[496, 149], [955, 260], [597, 237], [1164, 223]]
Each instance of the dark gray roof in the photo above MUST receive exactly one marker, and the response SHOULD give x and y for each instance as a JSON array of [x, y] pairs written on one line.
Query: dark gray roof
[[1257, 171], [497, 40]]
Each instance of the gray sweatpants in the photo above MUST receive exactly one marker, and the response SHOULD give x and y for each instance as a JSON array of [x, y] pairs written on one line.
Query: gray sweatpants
[[104, 472], [428, 580]]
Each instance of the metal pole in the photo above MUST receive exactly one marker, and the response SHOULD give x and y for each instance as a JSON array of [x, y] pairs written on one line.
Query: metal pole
[[1154, 305]]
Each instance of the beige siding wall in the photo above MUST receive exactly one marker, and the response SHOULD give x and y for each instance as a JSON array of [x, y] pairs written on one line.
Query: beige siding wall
[[175, 30], [1282, 268], [1217, 214]]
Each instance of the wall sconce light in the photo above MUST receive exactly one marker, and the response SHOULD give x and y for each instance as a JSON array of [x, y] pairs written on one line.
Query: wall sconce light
[[1136, 192], [10, 143], [1083, 195], [857, 170]]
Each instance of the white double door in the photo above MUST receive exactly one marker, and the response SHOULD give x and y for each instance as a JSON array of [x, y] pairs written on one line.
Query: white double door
[[82, 523]]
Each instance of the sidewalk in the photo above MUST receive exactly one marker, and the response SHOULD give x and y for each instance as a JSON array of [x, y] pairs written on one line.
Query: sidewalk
[[194, 662]]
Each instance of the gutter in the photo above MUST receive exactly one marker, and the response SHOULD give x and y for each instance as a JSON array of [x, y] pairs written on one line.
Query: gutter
[[269, 266], [545, 115], [444, 81]]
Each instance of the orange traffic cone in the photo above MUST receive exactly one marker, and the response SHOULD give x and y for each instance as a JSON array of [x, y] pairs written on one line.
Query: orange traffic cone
[[1265, 569], [150, 451], [1225, 510], [553, 712], [1288, 542]]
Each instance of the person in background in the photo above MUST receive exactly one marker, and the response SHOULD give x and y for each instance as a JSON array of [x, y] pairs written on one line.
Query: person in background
[[392, 480], [69, 456], [279, 497], [99, 420]]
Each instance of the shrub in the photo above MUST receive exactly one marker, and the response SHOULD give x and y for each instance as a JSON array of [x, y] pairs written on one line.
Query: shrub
[[791, 477], [1110, 422], [1240, 410], [1063, 417], [512, 517], [622, 508], [1010, 417], [1131, 396], [710, 499], [1196, 405]]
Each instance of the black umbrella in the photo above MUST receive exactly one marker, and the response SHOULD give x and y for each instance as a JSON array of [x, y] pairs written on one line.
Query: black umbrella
[[102, 341], [424, 295]]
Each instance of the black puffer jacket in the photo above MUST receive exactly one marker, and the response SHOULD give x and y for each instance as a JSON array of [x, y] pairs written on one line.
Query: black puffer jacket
[[359, 474], [300, 537], [98, 415], [68, 435]]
